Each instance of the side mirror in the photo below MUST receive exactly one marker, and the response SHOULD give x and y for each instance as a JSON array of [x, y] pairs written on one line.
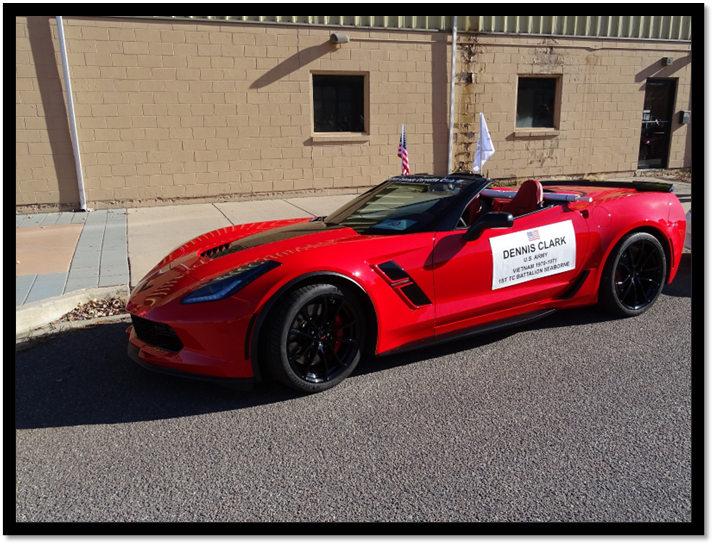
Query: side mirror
[[490, 220]]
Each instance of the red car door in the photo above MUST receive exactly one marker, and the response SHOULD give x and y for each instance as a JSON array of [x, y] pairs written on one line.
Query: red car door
[[506, 268]]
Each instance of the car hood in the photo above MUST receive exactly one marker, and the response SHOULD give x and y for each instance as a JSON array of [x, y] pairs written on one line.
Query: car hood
[[214, 253]]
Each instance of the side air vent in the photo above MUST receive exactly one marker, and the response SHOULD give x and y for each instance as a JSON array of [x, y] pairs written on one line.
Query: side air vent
[[415, 294], [393, 271], [403, 284]]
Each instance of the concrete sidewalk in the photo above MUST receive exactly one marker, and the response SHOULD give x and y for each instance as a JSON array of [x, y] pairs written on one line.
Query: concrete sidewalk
[[65, 252], [154, 232], [64, 259], [68, 258]]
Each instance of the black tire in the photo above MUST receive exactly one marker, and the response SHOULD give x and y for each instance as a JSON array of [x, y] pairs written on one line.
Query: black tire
[[634, 275], [316, 337]]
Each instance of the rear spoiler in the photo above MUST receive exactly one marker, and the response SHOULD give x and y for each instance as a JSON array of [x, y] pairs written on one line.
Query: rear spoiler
[[661, 187]]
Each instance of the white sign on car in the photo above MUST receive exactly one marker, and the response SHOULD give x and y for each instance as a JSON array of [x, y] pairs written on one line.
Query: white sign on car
[[533, 253]]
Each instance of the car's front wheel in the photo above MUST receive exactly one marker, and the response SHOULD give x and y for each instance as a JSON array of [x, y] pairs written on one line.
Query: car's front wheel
[[316, 337], [634, 275]]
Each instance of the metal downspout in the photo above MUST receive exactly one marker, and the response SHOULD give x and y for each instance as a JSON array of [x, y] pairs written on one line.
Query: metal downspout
[[72, 121], [451, 107]]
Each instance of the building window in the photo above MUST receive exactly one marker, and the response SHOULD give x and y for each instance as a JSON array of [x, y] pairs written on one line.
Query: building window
[[338, 103], [537, 102]]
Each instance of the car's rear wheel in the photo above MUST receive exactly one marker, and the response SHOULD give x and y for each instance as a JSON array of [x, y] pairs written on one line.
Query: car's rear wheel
[[316, 337], [634, 275]]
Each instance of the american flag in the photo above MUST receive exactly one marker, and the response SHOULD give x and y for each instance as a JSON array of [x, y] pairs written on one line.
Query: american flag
[[533, 235], [403, 152]]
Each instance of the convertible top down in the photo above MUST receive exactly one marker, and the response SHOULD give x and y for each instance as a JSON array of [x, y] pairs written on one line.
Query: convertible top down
[[415, 260]]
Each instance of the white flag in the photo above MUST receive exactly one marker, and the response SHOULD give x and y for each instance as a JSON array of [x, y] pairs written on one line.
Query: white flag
[[484, 146]]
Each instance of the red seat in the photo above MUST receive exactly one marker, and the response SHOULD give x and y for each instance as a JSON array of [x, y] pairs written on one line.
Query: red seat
[[528, 199]]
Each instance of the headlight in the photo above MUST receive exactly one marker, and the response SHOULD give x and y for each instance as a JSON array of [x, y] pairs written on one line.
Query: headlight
[[226, 285]]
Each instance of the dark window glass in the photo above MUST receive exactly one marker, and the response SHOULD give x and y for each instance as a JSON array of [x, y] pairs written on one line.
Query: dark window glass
[[338, 103], [399, 207], [656, 123], [536, 102]]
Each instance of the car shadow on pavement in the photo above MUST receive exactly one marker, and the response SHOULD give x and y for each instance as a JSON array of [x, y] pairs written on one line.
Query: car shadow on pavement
[[564, 318], [85, 377], [682, 284]]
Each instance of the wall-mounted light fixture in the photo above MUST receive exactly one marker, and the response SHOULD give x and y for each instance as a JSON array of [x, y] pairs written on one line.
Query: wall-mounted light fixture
[[667, 61], [339, 38]]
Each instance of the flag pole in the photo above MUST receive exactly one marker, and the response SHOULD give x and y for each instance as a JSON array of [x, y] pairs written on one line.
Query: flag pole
[[403, 153]]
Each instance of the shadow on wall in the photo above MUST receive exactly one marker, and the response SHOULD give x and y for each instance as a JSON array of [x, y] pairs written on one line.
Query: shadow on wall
[[656, 70], [54, 111], [302, 58]]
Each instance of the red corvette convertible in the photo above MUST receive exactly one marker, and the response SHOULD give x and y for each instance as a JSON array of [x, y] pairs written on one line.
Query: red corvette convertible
[[416, 260]]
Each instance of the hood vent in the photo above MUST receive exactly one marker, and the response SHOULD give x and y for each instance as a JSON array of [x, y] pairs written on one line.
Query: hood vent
[[268, 237], [218, 251]]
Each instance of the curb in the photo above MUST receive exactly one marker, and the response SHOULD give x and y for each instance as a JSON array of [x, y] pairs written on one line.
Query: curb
[[29, 318], [23, 342]]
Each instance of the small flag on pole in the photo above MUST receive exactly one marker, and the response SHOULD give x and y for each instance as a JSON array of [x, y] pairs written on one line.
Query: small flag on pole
[[484, 146], [403, 152]]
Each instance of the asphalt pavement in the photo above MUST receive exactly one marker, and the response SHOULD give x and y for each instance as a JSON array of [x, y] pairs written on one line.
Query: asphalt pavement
[[580, 417]]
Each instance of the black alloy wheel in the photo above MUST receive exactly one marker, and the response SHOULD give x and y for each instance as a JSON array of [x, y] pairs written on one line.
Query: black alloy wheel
[[316, 338], [634, 275]]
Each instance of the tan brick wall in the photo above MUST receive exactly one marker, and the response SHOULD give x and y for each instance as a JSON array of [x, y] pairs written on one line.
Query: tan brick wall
[[177, 111], [602, 98], [45, 171], [169, 111]]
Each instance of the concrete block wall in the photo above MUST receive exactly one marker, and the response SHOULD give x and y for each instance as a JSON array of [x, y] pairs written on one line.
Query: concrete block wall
[[601, 101], [178, 111], [170, 111]]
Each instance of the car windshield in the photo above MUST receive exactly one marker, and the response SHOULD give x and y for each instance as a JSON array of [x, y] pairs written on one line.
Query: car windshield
[[399, 207]]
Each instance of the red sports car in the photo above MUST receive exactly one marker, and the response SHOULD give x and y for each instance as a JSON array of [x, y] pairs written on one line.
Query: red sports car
[[416, 260]]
